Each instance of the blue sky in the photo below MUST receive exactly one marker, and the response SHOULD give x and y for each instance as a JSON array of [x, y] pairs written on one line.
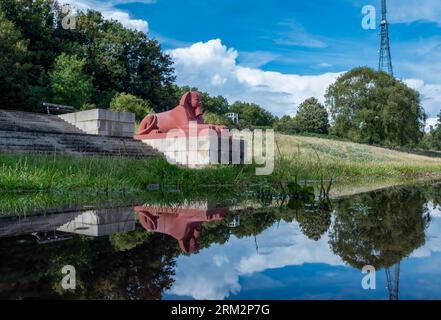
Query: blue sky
[[279, 52], [288, 265]]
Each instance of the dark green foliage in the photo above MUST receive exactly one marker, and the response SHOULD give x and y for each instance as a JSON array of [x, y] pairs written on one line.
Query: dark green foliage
[[372, 107], [129, 240], [123, 60], [379, 228], [314, 223], [102, 272], [123, 102], [432, 139], [217, 119], [14, 86], [312, 117], [117, 59], [68, 83], [252, 115], [286, 124]]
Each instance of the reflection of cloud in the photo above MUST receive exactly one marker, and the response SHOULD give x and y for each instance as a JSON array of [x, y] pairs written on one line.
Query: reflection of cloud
[[219, 271], [433, 234], [205, 276]]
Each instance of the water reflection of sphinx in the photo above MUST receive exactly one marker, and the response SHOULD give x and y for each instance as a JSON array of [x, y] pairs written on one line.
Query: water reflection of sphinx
[[183, 223]]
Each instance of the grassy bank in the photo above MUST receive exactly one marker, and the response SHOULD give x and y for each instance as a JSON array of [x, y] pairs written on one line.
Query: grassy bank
[[314, 157], [306, 157], [61, 172]]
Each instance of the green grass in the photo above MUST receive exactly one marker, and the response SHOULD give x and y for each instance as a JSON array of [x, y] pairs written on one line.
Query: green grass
[[308, 158], [314, 157], [68, 173]]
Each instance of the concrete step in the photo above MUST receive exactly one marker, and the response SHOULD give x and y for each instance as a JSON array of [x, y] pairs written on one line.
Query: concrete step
[[34, 122], [75, 144], [25, 132]]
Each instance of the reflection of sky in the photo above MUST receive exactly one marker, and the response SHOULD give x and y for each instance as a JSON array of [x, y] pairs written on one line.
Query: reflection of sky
[[290, 266]]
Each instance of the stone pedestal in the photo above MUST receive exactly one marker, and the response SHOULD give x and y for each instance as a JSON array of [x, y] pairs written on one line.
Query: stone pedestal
[[198, 151], [103, 122]]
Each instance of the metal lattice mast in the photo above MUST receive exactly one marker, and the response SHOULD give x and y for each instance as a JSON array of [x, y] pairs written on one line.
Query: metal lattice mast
[[385, 63]]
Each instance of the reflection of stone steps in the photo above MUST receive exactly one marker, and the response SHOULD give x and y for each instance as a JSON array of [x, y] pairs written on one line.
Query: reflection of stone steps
[[102, 222], [22, 132], [94, 222]]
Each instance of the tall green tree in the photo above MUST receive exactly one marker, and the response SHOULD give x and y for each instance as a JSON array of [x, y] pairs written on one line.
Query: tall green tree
[[35, 19], [124, 102], [432, 139], [216, 119], [286, 124], [312, 117], [373, 107], [124, 60], [68, 83], [118, 59], [14, 86], [251, 114]]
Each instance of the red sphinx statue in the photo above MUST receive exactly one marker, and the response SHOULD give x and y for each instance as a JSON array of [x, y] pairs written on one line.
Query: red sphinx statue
[[189, 109], [183, 224]]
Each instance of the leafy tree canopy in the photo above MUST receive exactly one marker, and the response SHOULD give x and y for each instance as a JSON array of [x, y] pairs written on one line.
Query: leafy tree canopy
[[312, 117], [286, 124], [124, 102], [432, 139], [373, 107], [116, 58], [14, 86], [69, 84], [217, 119], [251, 114]]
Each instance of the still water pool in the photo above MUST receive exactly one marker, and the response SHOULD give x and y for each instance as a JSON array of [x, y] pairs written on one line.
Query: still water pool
[[256, 247]]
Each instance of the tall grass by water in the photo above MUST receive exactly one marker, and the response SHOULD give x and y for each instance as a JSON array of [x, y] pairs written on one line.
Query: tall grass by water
[[303, 158], [69, 173], [315, 157]]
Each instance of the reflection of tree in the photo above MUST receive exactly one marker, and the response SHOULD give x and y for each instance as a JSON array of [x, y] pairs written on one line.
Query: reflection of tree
[[29, 269], [142, 271], [315, 223], [129, 240], [379, 228], [393, 281], [433, 193], [252, 223]]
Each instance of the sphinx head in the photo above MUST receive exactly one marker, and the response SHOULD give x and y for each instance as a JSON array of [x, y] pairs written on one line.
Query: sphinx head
[[193, 102]]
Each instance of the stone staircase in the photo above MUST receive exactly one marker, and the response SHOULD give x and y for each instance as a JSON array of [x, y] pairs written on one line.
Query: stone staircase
[[25, 132], [34, 122]]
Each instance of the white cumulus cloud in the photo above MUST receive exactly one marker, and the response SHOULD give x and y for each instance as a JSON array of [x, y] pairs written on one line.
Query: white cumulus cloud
[[406, 11], [107, 8], [212, 67], [430, 97]]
